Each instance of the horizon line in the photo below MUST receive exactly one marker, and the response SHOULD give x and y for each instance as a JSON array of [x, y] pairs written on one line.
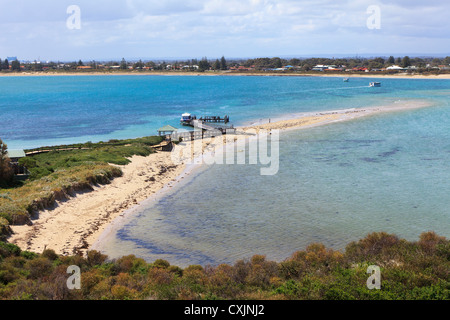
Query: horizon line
[[287, 56]]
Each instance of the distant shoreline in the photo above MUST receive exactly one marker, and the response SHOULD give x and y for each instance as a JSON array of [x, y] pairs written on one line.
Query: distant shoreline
[[256, 74]]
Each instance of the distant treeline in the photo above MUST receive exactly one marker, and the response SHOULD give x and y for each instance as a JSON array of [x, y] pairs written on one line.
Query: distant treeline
[[371, 63], [222, 64]]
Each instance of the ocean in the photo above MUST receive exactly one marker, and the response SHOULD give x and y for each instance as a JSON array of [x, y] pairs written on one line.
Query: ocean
[[335, 184]]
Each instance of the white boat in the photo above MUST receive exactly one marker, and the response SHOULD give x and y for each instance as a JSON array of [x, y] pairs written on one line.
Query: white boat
[[346, 79], [186, 119], [375, 84]]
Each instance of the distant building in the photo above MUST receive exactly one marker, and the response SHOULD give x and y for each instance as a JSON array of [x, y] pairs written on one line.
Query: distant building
[[360, 69], [395, 67], [166, 130], [11, 59], [15, 156], [334, 68]]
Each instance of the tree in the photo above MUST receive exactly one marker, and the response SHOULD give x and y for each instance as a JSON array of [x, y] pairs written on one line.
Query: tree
[[223, 63], [391, 60], [216, 65], [306, 67], [5, 65], [296, 62], [6, 171], [150, 64], [406, 62], [418, 62], [276, 62], [376, 63], [37, 66], [435, 62], [80, 63], [138, 65], [203, 65], [15, 65], [123, 64], [446, 60]]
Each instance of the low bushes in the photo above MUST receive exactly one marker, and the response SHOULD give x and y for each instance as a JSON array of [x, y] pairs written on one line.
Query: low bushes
[[317, 273]]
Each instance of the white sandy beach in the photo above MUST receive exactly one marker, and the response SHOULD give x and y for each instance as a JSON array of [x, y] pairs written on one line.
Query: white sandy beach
[[75, 224]]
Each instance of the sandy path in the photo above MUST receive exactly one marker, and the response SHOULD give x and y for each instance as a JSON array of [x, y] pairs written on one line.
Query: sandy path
[[71, 224]]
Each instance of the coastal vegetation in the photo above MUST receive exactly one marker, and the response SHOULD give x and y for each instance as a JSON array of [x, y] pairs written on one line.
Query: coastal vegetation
[[410, 270], [57, 172], [6, 171]]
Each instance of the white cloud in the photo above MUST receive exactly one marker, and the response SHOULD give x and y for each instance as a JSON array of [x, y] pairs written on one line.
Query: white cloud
[[213, 27]]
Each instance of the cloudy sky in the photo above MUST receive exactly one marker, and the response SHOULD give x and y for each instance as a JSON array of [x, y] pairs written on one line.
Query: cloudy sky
[[112, 29]]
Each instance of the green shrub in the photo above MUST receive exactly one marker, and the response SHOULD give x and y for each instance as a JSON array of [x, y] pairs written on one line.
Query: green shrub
[[95, 258], [50, 254], [28, 162], [39, 267], [5, 229], [9, 249], [160, 263], [291, 289], [420, 270], [28, 255], [131, 264], [176, 270]]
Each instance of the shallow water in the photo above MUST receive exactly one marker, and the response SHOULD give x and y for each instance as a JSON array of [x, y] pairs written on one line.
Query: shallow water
[[42, 111], [335, 183]]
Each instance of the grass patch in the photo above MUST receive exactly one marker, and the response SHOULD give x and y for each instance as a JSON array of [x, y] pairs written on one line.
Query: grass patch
[[59, 171]]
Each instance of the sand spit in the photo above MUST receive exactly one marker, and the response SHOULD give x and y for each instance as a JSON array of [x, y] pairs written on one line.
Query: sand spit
[[310, 119], [71, 224], [74, 225]]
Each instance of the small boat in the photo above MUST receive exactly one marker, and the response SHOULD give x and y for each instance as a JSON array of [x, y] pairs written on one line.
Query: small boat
[[346, 79], [186, 119], [375, 84]]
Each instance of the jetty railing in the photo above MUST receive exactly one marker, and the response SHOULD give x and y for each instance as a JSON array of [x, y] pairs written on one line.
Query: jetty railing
[[200, 134]]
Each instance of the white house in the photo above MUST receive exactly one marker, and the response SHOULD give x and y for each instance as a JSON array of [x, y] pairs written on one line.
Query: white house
[[320, 67], [395, 67]]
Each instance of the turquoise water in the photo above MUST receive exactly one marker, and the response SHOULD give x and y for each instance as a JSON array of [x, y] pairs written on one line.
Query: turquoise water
[[335, 183], [42, 111]]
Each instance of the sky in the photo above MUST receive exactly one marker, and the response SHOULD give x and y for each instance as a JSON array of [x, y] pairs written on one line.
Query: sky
[[176, 29]]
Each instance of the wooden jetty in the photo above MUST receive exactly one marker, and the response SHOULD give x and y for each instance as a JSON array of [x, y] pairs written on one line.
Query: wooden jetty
[[189, 120], [209, 126], [215, 119]]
